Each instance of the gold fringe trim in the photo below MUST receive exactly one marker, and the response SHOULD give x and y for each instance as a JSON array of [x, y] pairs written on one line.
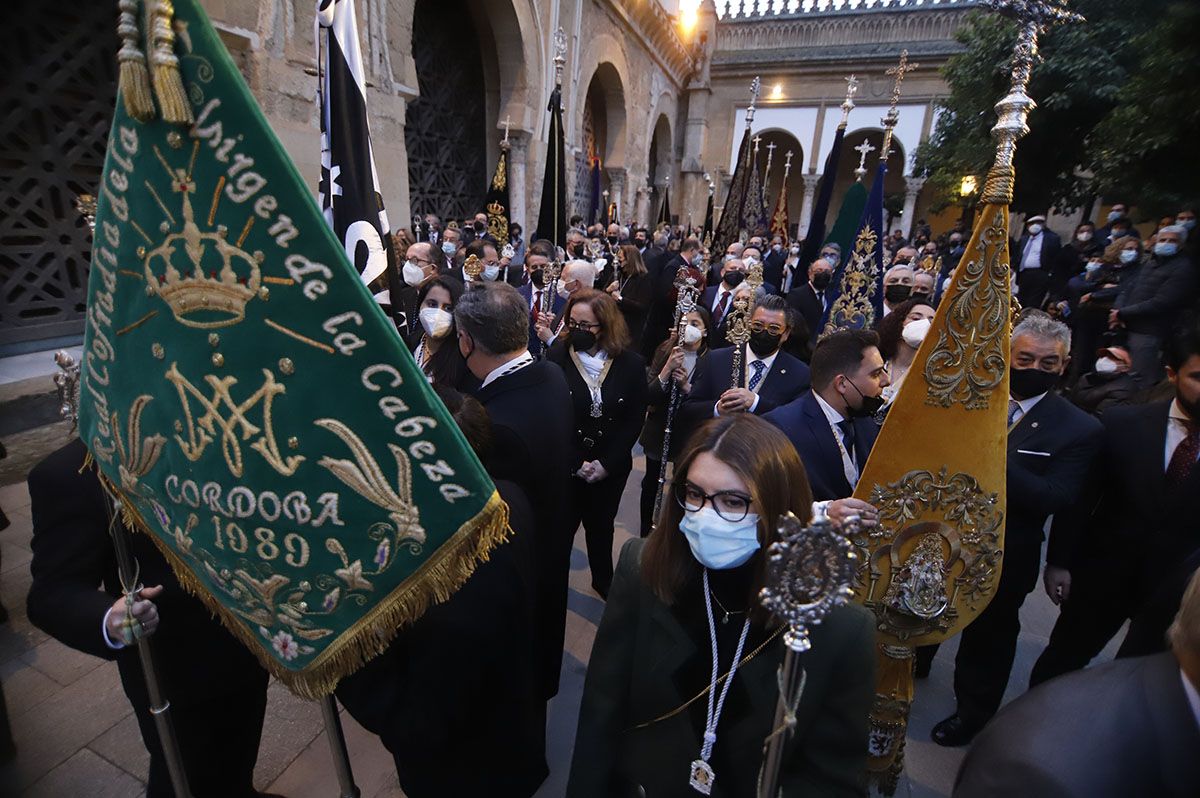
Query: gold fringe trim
[[134, 79], [436, 580], [168, 83]]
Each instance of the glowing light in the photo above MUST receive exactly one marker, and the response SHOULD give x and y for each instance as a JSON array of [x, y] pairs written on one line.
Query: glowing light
[[968, 185], [689, 16], [777, 91]]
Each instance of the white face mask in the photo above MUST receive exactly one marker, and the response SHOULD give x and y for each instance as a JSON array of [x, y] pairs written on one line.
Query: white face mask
[[1034, 229], [491, 273], [412, 273], [437, 322], [1128, 255], [719, 544], [915, 331], [1106, 365], [449, 248], [1084, 235], [563, 292], [692, 334]]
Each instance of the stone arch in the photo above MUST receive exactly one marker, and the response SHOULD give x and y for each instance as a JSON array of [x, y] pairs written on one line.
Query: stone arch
[[604, 62]]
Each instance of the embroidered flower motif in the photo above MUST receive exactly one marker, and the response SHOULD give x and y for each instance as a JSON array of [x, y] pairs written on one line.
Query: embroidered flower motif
[[160, 513], [285, 646], [382, 552], [331, 599], [352, 576]]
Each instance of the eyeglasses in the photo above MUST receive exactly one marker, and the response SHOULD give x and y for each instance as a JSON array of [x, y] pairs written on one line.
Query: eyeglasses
[[728, 504], [773, 329], [584, 326]]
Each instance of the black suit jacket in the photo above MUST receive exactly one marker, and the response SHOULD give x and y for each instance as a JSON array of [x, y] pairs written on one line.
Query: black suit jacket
[[636, 298], [806, 426], [662, 310], [716, 332], [650, 658], [609, 439], [787, 379], [75, 581], [1123, 728], [535, 343], [805, 301], [1050, 450], [1129, 517], [463, 678], [773, 267]]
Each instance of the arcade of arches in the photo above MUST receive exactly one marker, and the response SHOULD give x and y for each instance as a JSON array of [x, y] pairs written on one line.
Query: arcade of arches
[[650, 104]]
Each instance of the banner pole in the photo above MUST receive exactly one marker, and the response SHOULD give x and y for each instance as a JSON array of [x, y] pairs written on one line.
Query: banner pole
[[337, 747], [159, 706]]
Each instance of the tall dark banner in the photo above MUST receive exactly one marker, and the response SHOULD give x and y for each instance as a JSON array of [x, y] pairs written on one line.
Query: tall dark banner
[[552, 213], [664, 210], [349, 187], [735, 199], [594, 193], [496, 203], [708, 217], [859, 281], [814, 239]]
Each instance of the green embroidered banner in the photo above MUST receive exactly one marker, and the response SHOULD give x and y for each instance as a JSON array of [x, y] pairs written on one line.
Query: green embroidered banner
[[250, 404]]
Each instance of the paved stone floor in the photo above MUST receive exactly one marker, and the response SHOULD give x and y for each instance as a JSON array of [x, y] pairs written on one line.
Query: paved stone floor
[[76, 735]]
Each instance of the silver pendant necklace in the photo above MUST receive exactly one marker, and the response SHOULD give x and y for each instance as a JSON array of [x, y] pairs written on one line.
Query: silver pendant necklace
[[701, 775]]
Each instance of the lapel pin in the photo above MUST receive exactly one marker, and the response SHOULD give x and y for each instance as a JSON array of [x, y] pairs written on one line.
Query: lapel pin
[[1034, 425]]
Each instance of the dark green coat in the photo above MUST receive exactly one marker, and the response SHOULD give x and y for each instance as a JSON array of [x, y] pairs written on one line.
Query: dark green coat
[[645, 663]]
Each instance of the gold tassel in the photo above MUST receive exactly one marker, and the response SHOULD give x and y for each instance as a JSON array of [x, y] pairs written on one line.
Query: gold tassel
[[168, 83], [134, 79]]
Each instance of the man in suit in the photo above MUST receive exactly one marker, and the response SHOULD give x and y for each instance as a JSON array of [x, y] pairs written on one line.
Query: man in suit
[[1129, 727], [1034, 257], [833, 426], [773, 261], [718, 299], [770, 376], [530, 407], [1051, 444], [540, 253], [662, 301], [811, 298], [216, 688], [1111, 549]]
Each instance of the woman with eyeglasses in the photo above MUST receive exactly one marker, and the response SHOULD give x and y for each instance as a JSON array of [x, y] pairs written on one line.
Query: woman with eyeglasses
[[632, 289], [682, 682], [434, 343], [607, 381], [674, 363]]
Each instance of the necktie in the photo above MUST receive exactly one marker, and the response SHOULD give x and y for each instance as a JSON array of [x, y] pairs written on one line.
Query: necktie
[[1183, 460], [847, 428], [536, 307], [719, 311], [1014, 410], [755, 378], [821, 296]]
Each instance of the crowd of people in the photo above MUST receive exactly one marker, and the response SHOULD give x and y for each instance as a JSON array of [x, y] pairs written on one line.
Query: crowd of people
[[555, 384]]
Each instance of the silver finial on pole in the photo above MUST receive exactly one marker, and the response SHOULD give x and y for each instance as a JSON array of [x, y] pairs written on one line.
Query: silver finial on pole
[[862, 150], [787, 165], [852, 84], [1032, 17], [504, 143], [560, 54], [755, 88]]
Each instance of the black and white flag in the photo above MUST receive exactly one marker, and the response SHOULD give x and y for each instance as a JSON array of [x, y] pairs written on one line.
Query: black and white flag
[[349, 189]]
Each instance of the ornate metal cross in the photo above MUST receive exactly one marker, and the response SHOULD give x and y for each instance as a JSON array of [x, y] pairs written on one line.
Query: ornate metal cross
[[852, 84], [892, 116], [560, 54], [862, 150], [770, 155]]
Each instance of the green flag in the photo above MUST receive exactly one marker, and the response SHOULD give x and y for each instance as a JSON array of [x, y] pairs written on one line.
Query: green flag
[[845, 229], [250, 405]]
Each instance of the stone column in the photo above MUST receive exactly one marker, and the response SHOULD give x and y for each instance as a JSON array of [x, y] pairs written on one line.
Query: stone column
[[643, 206], [616, 191], [518, 193], [806, 205], [912, 188]]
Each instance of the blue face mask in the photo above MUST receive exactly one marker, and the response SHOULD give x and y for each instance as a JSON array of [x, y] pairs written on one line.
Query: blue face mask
[[1188, 224], [831, 259], [1165, 249], [719, 544]]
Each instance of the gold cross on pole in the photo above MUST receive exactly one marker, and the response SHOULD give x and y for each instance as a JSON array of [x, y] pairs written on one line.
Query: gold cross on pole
[[889, 120]]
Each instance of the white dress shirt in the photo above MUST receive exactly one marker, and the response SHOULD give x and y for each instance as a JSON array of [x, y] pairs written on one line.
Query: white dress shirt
[[1193, 696], [516, 364], [1032, 257], [1177, 422], [1023, 407], [849, 467]]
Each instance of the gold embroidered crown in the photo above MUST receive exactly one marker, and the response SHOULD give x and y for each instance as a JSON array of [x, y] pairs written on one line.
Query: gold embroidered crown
[[214, 281]]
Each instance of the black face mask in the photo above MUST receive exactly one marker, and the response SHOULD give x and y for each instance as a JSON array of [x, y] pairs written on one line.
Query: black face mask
[[821, 281], [639, 243], [1028, 383], [582, 340], [921, 295], [763, 343], [612, 239], [869, 407], [480, 227], [895, 294], [903, 261], [536, 278], [734, 279]]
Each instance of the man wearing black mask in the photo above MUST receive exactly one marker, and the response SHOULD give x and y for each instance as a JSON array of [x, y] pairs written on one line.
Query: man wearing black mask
[[718, 299], [1051, 444], [613, 237], [811, 299], [541, 252], [897, 287], [770, 377]]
